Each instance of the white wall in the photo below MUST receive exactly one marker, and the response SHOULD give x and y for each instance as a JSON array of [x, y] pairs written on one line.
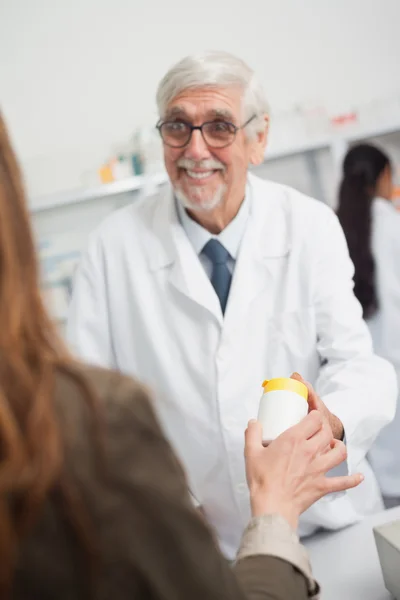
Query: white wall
[[77, 76]]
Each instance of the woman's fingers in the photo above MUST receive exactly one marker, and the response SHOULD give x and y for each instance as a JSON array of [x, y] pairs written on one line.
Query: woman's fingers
[[307, 428], [332, 458], [253, 438], [321, 441], [340, 484]]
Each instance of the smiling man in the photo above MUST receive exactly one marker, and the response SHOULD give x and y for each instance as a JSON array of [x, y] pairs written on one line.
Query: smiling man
[[224, 280], [205, 169]]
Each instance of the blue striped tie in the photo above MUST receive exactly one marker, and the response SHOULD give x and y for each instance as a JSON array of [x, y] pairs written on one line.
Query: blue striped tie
[[220, 277]]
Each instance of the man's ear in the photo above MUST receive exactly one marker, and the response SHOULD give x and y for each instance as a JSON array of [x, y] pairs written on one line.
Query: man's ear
[[258, 145]]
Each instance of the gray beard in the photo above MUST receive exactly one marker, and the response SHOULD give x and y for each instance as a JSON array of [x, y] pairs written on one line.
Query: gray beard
[[207, 206]]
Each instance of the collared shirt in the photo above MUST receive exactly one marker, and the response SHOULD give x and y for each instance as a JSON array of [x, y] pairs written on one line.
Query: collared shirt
[[230, 237]]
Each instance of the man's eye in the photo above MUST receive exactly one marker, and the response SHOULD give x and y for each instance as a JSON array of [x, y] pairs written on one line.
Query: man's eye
[[221, 126], [175, 126]]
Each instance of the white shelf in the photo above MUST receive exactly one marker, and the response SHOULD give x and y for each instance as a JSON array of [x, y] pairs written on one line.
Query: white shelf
[[373, 132], [329, 141], [131, 184], [140, 183], [312, 145]]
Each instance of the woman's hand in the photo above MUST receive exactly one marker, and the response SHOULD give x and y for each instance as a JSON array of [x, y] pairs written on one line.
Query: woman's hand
[[288, 475]]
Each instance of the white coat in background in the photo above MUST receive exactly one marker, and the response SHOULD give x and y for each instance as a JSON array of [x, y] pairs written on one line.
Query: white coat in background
[[385, 329], [143, 304]]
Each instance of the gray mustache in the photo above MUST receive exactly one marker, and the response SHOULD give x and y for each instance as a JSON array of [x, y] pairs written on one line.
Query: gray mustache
[[205, 165]]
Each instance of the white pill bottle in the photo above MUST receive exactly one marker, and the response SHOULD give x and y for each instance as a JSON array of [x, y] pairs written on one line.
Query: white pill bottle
[[282, 405]]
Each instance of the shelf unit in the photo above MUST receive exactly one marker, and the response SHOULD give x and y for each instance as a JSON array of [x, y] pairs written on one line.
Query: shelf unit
[[337, 143], [90, 205], [338, 139], [131, 184]]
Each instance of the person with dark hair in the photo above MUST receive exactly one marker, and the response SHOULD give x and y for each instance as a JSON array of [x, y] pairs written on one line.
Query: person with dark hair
[[371, 225], [93, 502]]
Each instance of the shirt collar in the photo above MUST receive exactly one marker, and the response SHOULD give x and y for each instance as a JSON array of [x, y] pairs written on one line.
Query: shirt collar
[[230, 237], [383, 202]]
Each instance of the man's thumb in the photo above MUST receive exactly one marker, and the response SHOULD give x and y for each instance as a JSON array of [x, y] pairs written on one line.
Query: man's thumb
[[297, 376]]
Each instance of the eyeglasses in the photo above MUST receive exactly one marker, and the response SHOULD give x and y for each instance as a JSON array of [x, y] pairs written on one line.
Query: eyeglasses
[[216, 134]]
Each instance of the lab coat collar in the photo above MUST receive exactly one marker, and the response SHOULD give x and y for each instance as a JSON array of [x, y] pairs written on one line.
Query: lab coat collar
[[270, 218], [268, 224], [265, 241], [171, 249], [383, 205], [230, 237], [161, 247]]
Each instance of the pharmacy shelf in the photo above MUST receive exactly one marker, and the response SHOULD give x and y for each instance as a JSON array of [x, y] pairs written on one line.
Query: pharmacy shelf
[[130, 184], [373, 132], [284, 152], [331, 141], [140, 183]]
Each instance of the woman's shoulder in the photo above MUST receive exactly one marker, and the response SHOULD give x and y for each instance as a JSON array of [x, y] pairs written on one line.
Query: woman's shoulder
[[75, 379], [86, 395]]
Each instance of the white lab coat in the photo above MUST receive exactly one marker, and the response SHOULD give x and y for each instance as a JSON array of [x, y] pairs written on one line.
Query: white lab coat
[[385, 330], [142, 303]]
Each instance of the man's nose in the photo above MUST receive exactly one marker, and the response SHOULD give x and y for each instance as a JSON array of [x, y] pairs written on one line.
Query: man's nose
[[197, 149]]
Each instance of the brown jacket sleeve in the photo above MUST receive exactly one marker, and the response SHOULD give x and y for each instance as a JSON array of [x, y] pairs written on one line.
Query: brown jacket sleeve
[[150, 529]]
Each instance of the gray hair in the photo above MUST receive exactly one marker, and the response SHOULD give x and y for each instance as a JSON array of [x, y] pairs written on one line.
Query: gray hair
[[211, 69]]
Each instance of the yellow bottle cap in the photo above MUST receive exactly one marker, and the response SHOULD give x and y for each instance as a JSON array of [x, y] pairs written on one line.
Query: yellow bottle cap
[[285, 383]]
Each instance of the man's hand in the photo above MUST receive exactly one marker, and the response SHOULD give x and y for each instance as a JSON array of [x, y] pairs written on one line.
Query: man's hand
[[315, 403]]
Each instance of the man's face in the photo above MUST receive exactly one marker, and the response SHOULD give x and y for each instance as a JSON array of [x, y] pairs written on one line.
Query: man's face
[[202, 176]]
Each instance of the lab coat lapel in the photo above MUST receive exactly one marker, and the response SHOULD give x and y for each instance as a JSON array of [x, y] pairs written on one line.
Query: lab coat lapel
[[263, 252], [171, 249]]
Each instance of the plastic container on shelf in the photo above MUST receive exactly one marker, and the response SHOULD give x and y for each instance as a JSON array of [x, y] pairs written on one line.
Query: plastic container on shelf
[[137, 163], [135, 157], [345, 119], [106, 174], [121, 167], [148, 147]]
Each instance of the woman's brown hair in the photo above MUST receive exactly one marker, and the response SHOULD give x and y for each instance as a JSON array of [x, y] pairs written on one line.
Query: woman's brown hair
[[31, 353]]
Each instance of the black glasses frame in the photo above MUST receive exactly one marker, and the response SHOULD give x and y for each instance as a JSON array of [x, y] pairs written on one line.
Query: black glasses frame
[[192, 128]]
